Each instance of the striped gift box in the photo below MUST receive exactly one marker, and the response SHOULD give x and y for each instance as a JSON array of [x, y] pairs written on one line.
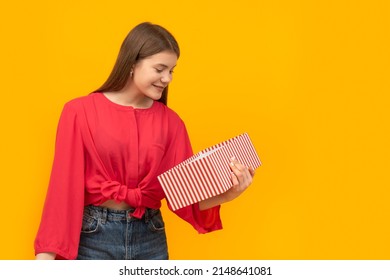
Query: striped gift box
[[207, 173]]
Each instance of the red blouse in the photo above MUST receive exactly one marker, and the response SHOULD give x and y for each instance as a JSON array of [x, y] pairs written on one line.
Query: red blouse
[[108, 151]]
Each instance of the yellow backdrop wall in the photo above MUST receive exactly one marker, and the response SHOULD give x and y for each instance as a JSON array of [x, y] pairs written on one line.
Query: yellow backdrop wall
[[308, 80]]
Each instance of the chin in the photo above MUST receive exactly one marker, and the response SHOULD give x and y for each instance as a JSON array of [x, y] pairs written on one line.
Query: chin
[[156, 97]]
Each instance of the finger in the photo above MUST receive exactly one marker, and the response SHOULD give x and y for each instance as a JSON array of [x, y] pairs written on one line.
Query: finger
[[246, 175], [235, 180], [239, 174], [252, 171], [242, 173], [234, 166]]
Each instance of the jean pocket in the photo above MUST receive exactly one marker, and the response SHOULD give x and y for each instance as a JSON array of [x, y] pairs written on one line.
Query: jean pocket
[[156, 222], [90, 224]]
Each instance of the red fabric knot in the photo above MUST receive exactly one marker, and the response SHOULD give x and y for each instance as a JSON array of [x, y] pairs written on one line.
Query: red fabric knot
[[114, 190], [118, 192]]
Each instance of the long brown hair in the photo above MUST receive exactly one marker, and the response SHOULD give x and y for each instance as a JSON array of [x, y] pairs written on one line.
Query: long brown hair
[[144, 40]]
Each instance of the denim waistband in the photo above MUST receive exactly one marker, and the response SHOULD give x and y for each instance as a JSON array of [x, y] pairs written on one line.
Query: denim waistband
[[108, 214]]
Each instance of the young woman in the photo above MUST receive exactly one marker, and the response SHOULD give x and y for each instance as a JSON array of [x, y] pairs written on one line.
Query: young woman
[[103, 198]]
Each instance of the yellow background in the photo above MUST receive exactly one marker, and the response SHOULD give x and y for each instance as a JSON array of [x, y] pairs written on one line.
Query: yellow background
[[308, 80]]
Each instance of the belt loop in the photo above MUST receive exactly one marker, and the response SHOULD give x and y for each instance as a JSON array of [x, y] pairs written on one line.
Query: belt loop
[[130, 213], [147, 215], [104, 215]]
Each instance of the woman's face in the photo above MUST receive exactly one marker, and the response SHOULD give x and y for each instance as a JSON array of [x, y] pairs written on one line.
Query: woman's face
[[152, 74]]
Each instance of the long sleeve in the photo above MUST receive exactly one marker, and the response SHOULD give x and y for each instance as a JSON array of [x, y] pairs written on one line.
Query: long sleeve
[[59, 231], [203, 221]]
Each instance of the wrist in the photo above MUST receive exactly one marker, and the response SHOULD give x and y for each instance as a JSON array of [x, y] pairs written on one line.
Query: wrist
[[228, 196], [212, 202], [224, 197], [45, 256]]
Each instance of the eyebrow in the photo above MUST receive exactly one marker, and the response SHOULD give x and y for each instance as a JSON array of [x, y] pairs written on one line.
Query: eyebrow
[[163, 65]]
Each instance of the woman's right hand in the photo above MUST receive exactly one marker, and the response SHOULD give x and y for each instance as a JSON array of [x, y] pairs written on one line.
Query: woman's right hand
[[45, 256]]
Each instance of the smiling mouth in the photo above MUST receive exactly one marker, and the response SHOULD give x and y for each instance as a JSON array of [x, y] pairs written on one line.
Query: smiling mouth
[[159, 87]]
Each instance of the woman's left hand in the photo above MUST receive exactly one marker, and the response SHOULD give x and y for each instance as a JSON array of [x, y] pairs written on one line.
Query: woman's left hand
[[242, 177]]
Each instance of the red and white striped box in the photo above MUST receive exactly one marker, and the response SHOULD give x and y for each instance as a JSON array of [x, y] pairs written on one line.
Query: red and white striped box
[[207, 173]]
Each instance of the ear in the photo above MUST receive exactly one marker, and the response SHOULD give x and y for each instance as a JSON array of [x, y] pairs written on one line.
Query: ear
[[131, 71]]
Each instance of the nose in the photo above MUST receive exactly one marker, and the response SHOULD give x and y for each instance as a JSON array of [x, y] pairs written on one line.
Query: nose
[[166, 78]]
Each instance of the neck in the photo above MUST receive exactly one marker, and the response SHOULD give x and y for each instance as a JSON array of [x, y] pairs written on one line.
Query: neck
[[127, 98]]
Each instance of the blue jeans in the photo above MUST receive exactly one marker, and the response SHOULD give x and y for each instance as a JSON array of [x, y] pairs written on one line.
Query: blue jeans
[[114, 235]]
